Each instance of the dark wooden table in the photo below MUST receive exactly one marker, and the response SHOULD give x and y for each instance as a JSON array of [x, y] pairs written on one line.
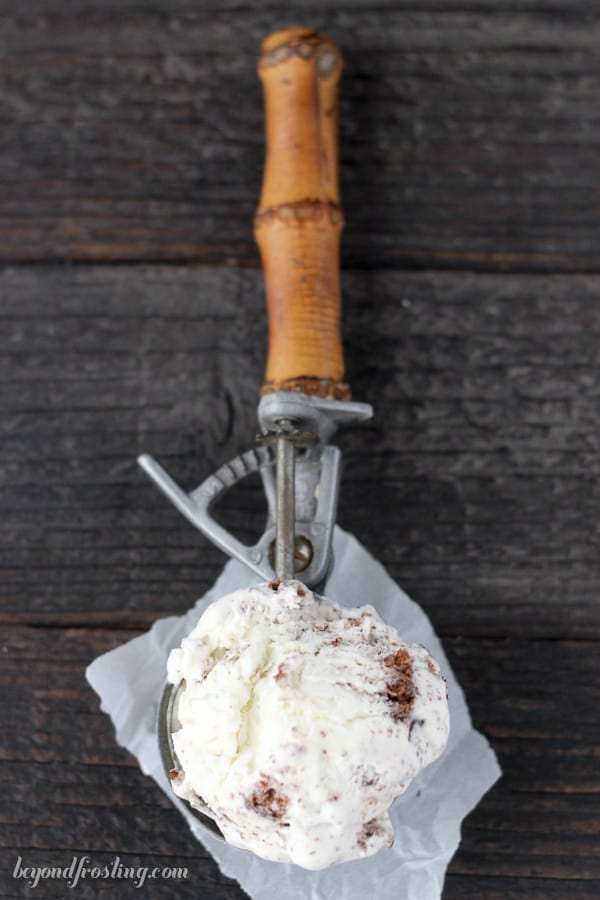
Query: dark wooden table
[[132, 319]]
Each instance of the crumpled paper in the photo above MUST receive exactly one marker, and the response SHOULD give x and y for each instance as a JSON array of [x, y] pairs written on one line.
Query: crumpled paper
[[426, 818]]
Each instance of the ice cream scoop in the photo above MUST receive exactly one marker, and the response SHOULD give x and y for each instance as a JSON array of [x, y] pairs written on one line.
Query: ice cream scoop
[[299, 721], [305, 397]]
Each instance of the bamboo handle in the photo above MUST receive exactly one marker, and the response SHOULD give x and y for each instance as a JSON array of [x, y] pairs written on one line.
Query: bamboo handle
[[299, 219]]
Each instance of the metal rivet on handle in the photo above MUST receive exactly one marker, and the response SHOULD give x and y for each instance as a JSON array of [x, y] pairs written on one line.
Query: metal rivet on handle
[[281, 53], [326, 62], [303, 553], [305, 50]]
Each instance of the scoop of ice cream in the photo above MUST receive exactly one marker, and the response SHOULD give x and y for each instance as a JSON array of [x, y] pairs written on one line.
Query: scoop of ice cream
[[301, 721]]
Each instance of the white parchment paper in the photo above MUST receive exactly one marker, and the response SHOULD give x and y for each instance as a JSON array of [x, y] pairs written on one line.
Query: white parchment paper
[[427, 818]]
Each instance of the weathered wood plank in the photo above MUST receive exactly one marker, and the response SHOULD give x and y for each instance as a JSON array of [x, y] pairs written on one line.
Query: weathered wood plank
[[474, 887], [470, 127], [483, 453], [536, 700]]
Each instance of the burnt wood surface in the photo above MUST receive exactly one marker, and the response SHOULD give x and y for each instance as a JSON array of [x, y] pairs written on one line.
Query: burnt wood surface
[[132, 134], [132, 130]]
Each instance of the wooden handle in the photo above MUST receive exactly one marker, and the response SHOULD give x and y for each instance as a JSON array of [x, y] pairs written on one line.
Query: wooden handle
[[299, 219]]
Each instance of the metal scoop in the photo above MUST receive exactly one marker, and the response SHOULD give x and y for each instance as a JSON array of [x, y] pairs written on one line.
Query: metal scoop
[[305, 398], [300, 474]]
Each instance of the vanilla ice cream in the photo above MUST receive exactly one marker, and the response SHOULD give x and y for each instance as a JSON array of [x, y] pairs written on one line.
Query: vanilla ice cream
[[300, 721]]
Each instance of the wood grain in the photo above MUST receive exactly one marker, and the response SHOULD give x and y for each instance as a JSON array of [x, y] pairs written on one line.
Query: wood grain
[[299, 219], [131, 131], [483, 452], [468, 131], [535, 827]]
